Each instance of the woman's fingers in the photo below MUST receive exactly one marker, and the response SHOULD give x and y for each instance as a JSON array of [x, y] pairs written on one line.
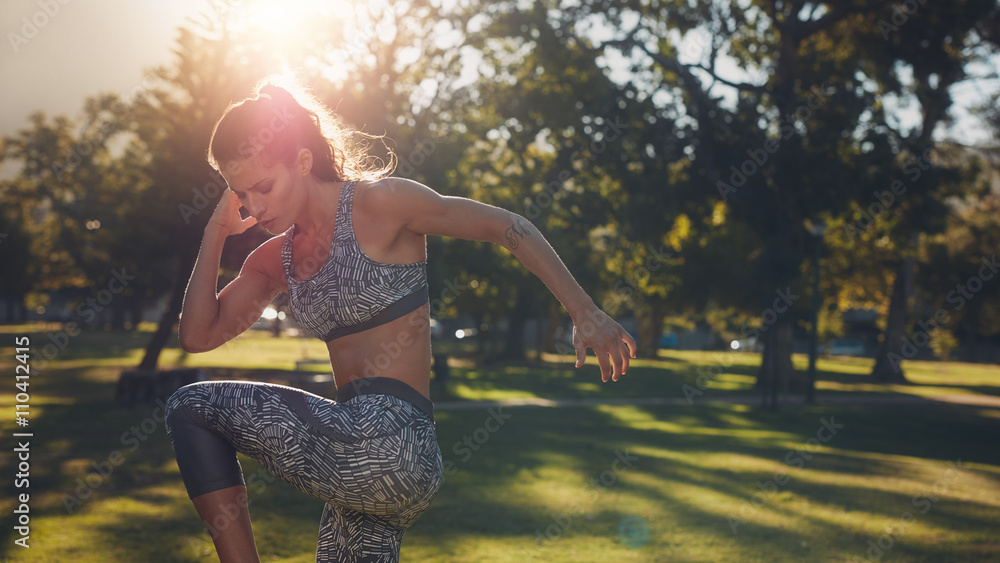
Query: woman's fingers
[[623, 351], [616, 365], [222, 215], [629, 341], [227, 214], [612, 345]]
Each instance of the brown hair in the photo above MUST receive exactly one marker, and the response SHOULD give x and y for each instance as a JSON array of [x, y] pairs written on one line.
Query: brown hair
[[277, 121]]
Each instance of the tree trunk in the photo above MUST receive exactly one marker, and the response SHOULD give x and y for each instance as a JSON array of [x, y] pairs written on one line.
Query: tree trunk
[[169, 319], [513, 348], [649, 327], [118, 314], [11, 302], [776, 370], [540, 330], [888, 368], [19, 309]]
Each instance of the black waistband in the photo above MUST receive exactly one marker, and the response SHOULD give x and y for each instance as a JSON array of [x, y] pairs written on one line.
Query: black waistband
[[385, 386], [404, 305]]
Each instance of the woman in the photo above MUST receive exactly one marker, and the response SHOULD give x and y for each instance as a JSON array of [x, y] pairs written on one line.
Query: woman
[[352, 258]]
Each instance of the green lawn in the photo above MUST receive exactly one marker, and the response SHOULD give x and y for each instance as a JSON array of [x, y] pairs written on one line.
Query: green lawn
[[709, 481]]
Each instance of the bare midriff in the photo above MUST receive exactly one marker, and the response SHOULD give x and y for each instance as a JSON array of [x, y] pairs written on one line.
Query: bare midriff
[[399, 349]]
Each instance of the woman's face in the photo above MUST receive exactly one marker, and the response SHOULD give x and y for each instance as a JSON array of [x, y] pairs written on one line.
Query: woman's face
[[267, 191]]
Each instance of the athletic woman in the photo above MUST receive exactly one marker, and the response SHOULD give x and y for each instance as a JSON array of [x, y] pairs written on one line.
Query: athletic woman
[[351, 254]]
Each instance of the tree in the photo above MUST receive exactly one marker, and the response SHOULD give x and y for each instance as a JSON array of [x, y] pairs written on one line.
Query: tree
[[775, 147], [74, 198], [218, 61], [958, 290], [924, 52], [15, 255], [794, 129], [566, 147], [172, 121]]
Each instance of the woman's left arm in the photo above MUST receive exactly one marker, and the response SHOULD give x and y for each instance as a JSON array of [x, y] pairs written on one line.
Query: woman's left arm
[[419, 209]]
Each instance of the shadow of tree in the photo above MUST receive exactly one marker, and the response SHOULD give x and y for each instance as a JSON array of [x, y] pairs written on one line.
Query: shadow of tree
[[699, 464]]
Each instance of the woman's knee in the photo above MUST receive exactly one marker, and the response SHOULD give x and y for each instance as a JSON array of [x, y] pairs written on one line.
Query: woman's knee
[[180, 404]]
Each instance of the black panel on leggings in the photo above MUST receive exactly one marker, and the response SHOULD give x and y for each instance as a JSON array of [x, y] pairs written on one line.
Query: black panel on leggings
[[207, 460]]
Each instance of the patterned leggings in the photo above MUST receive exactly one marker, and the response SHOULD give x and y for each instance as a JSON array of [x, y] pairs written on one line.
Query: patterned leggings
[[372, 457]]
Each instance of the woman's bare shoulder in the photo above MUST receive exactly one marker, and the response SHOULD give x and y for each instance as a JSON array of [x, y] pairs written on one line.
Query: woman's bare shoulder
[[378, 191]]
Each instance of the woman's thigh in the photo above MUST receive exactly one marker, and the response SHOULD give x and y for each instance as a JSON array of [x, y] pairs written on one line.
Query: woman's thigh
[[371, 454]]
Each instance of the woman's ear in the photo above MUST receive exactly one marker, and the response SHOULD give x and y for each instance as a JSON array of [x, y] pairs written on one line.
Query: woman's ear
[[304, 162]]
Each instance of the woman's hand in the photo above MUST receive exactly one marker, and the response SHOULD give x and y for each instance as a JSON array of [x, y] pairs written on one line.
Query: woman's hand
[[596, 330], [226, 217]]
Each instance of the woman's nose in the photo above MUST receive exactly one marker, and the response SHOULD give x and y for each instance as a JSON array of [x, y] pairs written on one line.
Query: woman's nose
[[255, 206]]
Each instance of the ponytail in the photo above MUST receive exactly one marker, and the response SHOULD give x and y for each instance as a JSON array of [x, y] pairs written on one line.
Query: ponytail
[[276, 122]]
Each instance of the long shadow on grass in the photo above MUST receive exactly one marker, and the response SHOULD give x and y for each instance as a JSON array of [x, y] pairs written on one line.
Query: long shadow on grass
[[854, 379], [587, 440], [741, 486], [490, 451], [86, 449], [592, 438]]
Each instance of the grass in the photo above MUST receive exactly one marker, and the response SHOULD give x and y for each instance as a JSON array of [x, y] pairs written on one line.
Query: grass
[[711, 481]]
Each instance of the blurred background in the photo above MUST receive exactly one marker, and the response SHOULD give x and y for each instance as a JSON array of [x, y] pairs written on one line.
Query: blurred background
[[777, 177], [774, 197]]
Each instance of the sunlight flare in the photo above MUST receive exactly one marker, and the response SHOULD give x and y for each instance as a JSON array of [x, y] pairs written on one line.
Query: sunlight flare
[[286, 17]]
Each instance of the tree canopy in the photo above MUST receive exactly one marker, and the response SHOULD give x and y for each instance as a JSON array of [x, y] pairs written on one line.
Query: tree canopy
[[677, 155]]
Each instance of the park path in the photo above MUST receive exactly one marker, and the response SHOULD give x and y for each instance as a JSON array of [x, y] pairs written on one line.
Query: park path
[[989, 401]]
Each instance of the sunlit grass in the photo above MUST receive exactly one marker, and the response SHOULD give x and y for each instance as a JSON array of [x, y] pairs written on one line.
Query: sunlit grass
[[708, 482]]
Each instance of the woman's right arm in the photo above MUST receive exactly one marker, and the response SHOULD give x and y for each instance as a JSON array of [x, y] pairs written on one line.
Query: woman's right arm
[[209, 319]]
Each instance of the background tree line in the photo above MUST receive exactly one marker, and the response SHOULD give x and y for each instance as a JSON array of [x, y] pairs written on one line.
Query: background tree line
[[675, 154]]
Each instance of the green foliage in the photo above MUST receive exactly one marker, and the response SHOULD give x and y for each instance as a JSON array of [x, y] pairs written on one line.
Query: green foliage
[[670, 184], [956, 276], [831, 324], [943, 342]]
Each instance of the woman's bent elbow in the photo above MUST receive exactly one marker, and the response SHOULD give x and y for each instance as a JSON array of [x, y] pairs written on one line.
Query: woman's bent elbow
[[187, 344], [193, 344]]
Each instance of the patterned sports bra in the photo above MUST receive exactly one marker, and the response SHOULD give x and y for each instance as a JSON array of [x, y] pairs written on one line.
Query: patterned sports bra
[[351, 292]]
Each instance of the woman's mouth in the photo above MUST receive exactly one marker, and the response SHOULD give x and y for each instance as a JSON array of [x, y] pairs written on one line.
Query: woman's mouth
[[267, 224]]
